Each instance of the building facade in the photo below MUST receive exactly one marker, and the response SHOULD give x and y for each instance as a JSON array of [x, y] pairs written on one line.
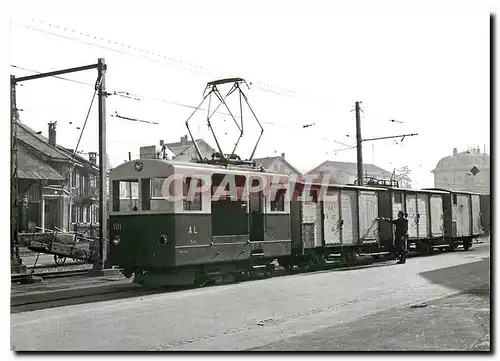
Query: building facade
[[345, 172], [465, 171], [56, 188]]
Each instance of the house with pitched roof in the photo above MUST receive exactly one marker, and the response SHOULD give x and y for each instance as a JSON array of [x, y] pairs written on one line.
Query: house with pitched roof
[[346, 172], [277, 164], [56, 188], [464, 171], [186, 151]]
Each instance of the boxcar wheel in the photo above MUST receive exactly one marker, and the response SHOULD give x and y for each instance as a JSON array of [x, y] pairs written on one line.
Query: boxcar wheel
[[424, 249]]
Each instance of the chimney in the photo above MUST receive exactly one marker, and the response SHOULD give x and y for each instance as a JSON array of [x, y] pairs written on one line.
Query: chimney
[[283, 155], [93, 157], [454, 151], [52, 133]]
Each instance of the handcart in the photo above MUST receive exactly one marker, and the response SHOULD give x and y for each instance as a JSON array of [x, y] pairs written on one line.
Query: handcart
[[62, 245]]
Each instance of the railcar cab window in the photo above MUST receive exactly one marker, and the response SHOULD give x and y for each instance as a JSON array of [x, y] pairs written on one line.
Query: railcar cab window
[[454, 197], [192, 194], [126, 195]]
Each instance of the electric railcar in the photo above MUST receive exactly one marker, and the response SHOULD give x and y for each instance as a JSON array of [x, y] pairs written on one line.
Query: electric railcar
[[163, 236]]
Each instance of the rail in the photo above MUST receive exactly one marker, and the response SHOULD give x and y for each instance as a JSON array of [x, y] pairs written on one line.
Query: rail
[[49, 275]]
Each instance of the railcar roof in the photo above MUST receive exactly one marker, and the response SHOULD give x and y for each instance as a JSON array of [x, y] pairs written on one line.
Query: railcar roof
[[161, 163]]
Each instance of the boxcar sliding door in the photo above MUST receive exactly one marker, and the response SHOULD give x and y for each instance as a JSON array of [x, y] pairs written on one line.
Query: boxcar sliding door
[[349, 212], [368, 214], [411, 209], [331, 217], [423, 215]]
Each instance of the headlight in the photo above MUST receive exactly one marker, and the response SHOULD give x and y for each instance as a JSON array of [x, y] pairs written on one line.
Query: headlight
[[162, 240], [116, 240]]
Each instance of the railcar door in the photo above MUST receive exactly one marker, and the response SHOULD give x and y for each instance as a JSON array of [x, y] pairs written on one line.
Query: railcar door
[[411, 209], [423, 215], [331, 217], [256, 205]]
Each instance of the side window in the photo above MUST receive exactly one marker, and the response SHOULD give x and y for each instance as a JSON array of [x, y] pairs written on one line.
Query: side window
[[454, 197], [116, 196], [146, 194], [278, 204], [314, 195], [157, 188], [192, 198], [398, 197]]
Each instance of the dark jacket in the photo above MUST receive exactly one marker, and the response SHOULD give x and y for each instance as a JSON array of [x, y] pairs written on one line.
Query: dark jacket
[[401, 227]]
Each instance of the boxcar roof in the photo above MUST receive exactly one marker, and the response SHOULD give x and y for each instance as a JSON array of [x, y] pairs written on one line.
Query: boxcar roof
[[424, 190], [343, 186], [451, 191]]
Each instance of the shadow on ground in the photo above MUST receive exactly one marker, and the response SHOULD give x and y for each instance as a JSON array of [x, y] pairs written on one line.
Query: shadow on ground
[[464, 277]]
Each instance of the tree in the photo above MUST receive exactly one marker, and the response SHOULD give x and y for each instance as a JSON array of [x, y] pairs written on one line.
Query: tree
[[403, 177]]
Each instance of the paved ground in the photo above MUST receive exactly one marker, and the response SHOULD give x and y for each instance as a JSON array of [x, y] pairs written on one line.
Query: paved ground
[[454, 323], [292, 312]]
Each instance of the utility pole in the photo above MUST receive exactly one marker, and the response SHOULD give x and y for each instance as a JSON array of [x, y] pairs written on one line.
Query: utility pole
[[100, 85], [360, 140], [359, 146], [14, 240], [102, 164], [130, 184]]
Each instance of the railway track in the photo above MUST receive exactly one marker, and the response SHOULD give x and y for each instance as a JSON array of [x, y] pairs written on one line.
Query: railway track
[[50, 275], [129, 290]]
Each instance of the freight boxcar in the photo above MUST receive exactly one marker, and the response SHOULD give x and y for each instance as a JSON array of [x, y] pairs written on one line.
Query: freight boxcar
[[425, 218], [163, 236], [485, 201], [462, 218], [336, 221]]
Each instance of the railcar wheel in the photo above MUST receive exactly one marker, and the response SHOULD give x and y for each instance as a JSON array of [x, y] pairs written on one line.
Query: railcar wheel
[[127, 273], [59, 260], [201, 280], [467, 245]]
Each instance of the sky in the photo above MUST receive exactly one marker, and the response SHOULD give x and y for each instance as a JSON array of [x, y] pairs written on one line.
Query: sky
[[427, 69]]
